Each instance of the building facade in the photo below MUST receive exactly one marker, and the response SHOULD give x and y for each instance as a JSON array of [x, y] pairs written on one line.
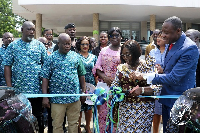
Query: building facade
[[135, 18]]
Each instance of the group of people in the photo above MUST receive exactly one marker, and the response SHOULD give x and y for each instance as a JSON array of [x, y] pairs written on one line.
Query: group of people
[[41, 67]]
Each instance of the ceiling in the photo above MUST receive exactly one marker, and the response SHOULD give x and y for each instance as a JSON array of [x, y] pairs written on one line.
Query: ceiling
[[58, 15]]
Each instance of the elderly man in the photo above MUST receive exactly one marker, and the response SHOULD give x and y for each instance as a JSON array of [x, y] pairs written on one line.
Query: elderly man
[[153, 44], [179, 65], [26, 56], [7, 39]]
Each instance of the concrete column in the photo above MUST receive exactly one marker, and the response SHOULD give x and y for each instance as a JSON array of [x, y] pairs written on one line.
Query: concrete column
[[144, 30], [152, 24], [96, 26], [188, 26], [34, 22], [38, 25]]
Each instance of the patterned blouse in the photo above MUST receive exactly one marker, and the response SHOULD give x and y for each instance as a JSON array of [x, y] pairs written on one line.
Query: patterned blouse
[[89, 63], [107, 61], [135, 114], [122, 76], [26, 59], [63, 71]]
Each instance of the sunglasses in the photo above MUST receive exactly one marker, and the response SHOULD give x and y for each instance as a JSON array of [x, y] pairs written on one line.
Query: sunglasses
[[48, 34], [84, 44], [45, 43], [126, 55]]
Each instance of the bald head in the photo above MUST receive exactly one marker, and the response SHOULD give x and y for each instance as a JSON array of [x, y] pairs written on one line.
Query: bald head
[[8, 33], [156, 31], [63, 36], [7, 38], [27, 23], [43, 39], [194, 35], [64, 43], [28, 30], [155, 34]]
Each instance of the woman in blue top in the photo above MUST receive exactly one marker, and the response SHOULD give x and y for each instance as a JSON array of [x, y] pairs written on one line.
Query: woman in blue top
[[159, 54], [83, 46]]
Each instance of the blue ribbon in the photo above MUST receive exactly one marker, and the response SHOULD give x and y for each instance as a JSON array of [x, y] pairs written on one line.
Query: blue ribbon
[[117, 97], [101, 99], [163, 96], [54, 95]]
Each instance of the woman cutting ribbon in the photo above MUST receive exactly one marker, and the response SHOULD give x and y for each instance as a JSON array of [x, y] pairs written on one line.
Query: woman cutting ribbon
[[135, 114]]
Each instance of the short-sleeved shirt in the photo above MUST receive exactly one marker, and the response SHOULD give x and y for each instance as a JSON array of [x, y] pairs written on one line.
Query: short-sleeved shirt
[[89, 63], [2, 78], [26, 59], [63, 71]]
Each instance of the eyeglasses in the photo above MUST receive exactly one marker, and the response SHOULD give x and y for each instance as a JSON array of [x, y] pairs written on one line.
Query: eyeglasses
[[45, 43], [30, 29], [126, 55], [8, 38], [48, 34], [112, 36], [84, 44]]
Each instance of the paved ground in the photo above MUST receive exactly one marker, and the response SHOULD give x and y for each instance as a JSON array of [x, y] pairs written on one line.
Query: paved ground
[[91, 126]]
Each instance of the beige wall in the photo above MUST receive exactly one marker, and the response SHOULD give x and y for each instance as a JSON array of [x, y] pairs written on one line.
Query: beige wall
[[78, 34]]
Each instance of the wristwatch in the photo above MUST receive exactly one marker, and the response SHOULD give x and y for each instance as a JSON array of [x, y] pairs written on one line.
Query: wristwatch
[[142, 90]]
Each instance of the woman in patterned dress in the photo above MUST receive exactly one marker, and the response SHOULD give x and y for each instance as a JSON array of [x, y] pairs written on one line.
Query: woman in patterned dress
[[89, 60], [135, 114], [106, 67]]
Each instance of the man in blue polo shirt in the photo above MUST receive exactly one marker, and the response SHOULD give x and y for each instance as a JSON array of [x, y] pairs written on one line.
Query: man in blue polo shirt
[[26, 57], [62, 72], [7, 39]]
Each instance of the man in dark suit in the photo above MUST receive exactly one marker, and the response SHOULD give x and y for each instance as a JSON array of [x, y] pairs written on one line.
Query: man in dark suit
[[194, 35], [179, 65]]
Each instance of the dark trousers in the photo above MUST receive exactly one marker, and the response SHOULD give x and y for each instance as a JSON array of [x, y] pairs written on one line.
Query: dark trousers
[[165, 116], [37, 111]]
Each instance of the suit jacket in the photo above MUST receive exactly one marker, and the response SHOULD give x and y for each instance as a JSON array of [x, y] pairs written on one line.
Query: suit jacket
[[179, 69]]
